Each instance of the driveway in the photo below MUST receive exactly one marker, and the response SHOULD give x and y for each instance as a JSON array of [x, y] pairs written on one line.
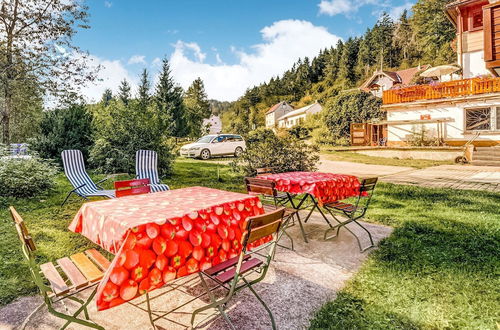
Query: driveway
[[444, 176]]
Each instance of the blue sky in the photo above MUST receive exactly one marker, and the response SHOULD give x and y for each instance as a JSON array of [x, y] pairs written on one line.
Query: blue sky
[[230, 44]]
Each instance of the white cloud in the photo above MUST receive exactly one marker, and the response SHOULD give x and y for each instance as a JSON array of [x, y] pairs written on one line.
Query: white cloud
[[110, 76], [137, 59], [284, 42], [334, 7], [348, 7], [156, 62], [108, 4], [396, 12]]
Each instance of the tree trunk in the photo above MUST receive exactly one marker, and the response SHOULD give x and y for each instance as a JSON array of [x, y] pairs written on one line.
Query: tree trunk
[[6, 115]]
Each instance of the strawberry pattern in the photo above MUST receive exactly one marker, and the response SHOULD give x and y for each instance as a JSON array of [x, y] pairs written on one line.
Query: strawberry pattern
[[325, 187], [162, 236]]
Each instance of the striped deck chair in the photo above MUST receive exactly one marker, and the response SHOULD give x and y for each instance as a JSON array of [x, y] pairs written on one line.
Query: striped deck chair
[[146, 167], [74, 168]]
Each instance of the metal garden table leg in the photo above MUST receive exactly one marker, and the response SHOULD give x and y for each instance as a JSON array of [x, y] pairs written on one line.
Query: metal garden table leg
[[290, 198]]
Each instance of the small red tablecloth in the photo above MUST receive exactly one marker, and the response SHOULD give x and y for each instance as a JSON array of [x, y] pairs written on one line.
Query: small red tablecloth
[[162, 236], [325, 187]]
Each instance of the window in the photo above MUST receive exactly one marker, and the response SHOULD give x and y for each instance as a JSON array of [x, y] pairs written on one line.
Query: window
[[477, 19], [478, 119], [498, 118]]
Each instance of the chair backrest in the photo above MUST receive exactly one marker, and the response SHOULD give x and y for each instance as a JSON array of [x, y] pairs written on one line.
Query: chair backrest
[[28, 247], [264, 170], [256, 186], [368, 184], [22, 232], [132, 187], [261, 226], [74, 168], [146, 165], [366, 192]]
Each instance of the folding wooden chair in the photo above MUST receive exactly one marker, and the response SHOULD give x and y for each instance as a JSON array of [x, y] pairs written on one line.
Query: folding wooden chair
[[266, 189], [146, 167], [132, 187], [63, 279], [74, 168], [236, 271], [353, 212]]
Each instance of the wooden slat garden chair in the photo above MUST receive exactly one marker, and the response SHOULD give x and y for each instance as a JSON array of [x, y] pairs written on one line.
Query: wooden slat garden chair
[[267, 191], [264, 170], [132, 187], [233, 274], [353, 212], [62, 280], [146, 167], [74, 168]]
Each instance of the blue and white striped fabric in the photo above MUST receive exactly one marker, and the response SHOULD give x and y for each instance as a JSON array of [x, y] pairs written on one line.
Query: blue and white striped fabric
[[146, 167], [74, 168]]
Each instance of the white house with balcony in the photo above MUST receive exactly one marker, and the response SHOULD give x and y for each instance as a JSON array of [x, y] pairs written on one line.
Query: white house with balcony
[[455, 111]]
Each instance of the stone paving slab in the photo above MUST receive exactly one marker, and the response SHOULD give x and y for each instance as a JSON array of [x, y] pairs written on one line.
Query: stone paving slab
[[298, 283], [451, 176], [444, 176]]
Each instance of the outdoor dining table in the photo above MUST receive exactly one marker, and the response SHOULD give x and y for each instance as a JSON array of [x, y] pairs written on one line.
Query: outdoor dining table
[[320, 188], [162, 236]]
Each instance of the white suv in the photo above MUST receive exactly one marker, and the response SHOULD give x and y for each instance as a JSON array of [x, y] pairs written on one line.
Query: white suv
[[214, 145]]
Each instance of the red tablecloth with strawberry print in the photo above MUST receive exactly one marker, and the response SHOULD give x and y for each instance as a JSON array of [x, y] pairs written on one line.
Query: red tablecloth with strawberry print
[[162, 236], [325, 187]]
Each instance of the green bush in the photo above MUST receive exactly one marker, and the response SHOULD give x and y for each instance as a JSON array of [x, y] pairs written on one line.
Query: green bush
[[299, 131], [62, 129], [25, 177], [121, 129], [282, 153]]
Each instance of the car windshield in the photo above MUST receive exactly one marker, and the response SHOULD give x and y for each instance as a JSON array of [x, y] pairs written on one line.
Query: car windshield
[[205, 139]]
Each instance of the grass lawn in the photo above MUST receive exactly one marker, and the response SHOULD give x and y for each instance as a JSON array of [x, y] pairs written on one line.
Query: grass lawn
[[439, 269], [348, 156]]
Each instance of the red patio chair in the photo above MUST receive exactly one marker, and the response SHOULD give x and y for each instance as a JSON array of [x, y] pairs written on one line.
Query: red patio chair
[[132, 187]]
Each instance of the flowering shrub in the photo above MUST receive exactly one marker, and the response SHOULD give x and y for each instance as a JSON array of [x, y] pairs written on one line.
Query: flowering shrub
[[25, 177]]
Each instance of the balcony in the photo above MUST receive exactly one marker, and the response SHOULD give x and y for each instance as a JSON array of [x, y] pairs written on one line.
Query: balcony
[[449, 89]]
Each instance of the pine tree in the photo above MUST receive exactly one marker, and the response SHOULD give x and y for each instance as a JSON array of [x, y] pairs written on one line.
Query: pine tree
[[403, 39], [347, 63], [197, 107], [107, 96], [124, 91], [143, 92], [168, 99], [433, 31], [381, 36]]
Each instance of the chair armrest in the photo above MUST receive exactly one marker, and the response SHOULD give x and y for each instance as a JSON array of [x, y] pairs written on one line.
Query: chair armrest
[[101, 181]]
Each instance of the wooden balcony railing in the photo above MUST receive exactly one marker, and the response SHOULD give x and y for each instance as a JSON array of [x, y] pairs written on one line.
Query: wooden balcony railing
[[442, 90]]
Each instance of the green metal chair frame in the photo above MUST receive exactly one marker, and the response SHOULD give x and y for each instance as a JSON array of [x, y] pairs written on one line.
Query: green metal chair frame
[[353, 212], [257, 227], [268, 193], [28, 248]]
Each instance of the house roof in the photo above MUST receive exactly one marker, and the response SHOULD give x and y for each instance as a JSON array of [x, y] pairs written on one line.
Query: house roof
[[403, 77], [450, 9], [276, 106], [298, 111]]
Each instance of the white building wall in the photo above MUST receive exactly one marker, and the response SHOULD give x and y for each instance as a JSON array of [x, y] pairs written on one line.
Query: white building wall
[[453, 131], [474, 65]]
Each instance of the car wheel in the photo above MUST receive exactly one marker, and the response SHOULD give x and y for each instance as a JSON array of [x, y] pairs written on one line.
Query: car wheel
[[205, 154], [238, 152]]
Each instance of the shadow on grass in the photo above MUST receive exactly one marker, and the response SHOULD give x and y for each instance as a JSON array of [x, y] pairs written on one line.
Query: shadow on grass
[[419, 247], [350, 312]]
